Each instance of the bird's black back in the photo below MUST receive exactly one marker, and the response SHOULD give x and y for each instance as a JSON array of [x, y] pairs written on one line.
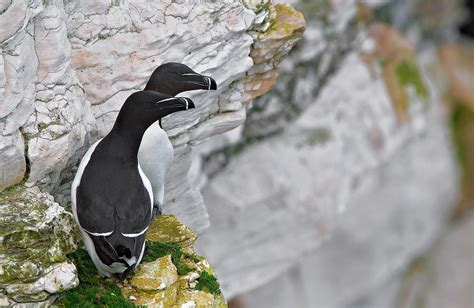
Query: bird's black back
[[111, 195]]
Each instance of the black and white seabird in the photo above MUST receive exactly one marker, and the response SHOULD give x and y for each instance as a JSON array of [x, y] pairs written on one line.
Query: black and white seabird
[[156, 152], [112, 199]]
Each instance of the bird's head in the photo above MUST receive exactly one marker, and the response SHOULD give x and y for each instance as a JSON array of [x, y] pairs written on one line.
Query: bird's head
[[143, 108], [173, 78]]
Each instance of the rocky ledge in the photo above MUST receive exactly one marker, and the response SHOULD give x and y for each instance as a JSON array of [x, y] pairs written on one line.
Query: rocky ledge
[[171, 275]]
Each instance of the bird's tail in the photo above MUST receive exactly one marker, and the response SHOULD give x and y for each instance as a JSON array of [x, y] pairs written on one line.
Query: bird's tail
[[125, 254]]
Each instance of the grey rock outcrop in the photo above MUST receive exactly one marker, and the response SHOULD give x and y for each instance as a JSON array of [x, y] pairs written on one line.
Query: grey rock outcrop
[[351, 179]]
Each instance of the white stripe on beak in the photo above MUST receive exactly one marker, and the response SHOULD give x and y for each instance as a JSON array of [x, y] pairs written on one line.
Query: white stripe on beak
[[185, 100], [208, 83], [166, 99]]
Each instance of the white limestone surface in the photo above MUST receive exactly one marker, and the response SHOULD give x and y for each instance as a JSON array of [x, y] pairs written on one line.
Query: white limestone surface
[[346, 170], [66, 67]]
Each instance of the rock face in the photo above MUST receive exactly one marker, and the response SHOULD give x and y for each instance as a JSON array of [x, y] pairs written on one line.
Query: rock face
[[329, 187], [66, 67], [63, 80]]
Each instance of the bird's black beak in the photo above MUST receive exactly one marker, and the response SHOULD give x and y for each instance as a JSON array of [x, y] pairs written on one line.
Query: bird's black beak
[[176, 103], [189, 104], [186, 103], [211, 83], [195, 81]]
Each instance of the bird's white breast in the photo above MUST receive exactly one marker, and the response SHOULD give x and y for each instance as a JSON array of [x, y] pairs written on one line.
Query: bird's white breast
[[155, 156]]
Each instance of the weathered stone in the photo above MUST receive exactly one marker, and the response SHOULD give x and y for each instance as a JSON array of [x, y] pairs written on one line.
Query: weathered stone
[[25, 289], [162, 299], [60, 277], [12, 160], [271, 45], [29, 298], [35, 237], [167, 229], [281, 203], [221, 123], [159, 283], [194, 298], [156, 275], [4, 302]]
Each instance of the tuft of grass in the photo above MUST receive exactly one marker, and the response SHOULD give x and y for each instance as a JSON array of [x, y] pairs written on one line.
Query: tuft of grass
[[93, 291], [157, 250], [208, 283]]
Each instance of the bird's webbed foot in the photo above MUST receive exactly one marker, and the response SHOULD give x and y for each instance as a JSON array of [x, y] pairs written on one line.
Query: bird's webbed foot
[[156, 210]]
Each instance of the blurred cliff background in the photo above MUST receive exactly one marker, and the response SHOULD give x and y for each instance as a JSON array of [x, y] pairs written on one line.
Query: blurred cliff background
[[333, 167]]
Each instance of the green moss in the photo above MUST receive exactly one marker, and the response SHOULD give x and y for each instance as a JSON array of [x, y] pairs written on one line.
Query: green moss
[[158, 250], [462, 127], [11, 191], [167, 229], [318, 136], [408, 74], [93, 291], [282, 22], [208, 283], [26, 272]]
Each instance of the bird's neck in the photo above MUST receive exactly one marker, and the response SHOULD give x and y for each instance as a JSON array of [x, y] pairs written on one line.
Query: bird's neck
[[124, 143]]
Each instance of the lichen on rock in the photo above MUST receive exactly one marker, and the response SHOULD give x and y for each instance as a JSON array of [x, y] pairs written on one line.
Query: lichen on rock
[[274, 36], [179, 278], [170, 275], [35, 236]]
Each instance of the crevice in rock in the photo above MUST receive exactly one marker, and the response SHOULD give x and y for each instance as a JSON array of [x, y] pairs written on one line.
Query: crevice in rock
[[27, 167], [27, 159]]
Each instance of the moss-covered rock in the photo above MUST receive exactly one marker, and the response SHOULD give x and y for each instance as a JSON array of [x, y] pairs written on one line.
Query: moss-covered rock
[[35, 236], [167, 229], [155, 275], [93, 291], [170, 275], [279, 29]]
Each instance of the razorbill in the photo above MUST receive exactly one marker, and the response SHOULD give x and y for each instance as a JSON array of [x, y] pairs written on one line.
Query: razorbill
[[156, 152], [112, 199]]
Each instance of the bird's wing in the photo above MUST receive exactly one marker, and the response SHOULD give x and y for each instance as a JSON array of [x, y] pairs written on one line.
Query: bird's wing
[[135, 210], [95, 216], [84, 211]]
